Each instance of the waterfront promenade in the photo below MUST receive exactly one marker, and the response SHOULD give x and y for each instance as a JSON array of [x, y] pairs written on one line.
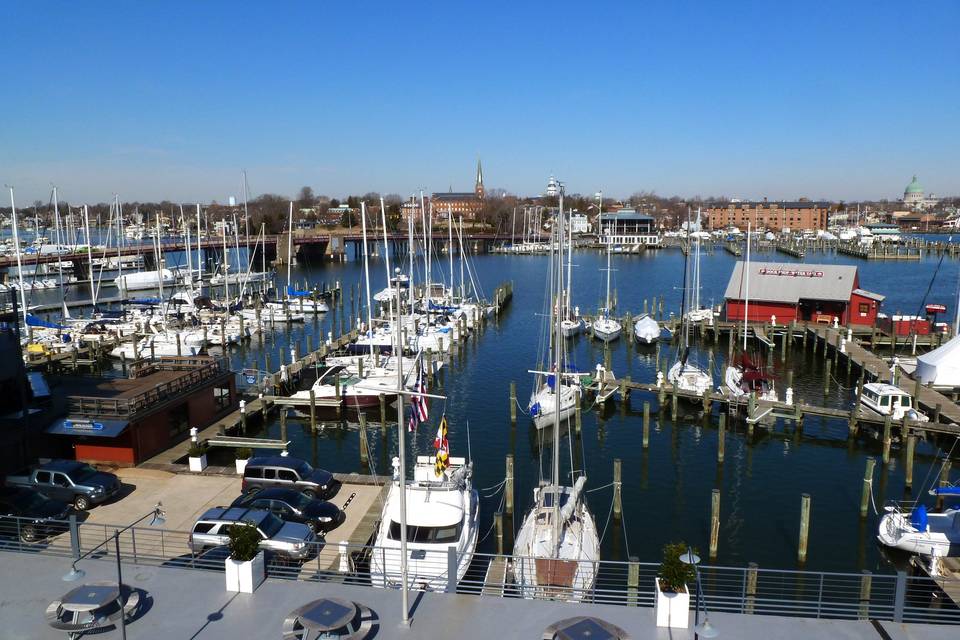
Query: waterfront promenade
[[189, 604]]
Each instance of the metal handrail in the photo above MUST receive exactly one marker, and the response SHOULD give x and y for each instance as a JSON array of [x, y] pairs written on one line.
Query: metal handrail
[[789, 592]]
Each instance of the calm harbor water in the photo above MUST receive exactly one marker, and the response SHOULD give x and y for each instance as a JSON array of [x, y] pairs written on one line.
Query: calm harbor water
[[666, 488]]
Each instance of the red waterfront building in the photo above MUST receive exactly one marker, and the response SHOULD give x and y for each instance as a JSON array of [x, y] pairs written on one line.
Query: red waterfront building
[[795, 291]]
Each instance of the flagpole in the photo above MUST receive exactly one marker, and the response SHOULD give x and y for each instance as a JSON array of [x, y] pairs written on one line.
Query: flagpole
[[401, 439]]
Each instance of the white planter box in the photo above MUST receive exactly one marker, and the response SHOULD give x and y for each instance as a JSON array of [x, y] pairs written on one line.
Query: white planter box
[[241, 466], [197, 464], [672, 609], [244, 577]]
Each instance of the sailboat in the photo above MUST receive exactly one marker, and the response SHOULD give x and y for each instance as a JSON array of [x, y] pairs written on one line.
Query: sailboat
[[570, 324], [297, 302], [743, 376], [556, 392], [684, 373], [557, 548], [604, 327]]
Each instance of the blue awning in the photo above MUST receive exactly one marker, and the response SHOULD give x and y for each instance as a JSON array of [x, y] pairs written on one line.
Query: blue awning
[[88, 427]]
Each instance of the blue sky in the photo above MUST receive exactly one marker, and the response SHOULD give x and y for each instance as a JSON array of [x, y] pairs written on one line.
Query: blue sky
[[171, 100]]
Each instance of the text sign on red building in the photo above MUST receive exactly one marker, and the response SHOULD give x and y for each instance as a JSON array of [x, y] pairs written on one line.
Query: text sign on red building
[[936, 308], [793, 273]]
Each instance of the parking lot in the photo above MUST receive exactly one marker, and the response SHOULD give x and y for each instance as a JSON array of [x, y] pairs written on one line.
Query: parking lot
[[186, 496]]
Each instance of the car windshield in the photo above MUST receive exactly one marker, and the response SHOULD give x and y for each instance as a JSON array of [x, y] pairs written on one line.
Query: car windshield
[[271, 525], [82, 473], [300, 501], [30, 501], [305, 470]]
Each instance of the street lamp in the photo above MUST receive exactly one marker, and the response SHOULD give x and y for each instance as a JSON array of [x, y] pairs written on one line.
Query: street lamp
[[705, 630], [157, 520]]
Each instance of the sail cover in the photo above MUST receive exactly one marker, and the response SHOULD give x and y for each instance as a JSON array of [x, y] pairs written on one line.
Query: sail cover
[[941, 367], [34, 321], [292, 291]]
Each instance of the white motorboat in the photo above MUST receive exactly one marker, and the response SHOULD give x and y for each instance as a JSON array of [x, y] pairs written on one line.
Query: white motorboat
[[918, 531], [442, 514], [646, 329], [355, 391], [890, 400]]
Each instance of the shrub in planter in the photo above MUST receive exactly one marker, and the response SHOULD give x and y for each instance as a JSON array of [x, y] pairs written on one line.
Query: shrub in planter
[[197, 456], [673, 600], [243, 454], [245, 566]]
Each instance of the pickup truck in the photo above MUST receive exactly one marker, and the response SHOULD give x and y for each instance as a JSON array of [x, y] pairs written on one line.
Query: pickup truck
[[69, 481]]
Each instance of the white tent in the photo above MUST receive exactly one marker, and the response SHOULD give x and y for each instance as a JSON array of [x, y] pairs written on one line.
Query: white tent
[[941, 366]]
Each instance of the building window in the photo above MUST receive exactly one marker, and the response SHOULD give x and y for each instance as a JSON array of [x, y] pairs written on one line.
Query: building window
[[179, 421], [864, 308], [221, 396]]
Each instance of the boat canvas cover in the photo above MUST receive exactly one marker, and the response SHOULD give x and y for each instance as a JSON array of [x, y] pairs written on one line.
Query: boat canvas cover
[[34, 321], [941, 367]]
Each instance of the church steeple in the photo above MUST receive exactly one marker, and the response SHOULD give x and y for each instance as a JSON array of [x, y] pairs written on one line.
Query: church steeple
[[478, 189]]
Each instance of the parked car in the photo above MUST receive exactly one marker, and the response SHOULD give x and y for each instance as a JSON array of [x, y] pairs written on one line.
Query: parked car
[[30, 515], [292, 506], [289, 539], [69, 481], [288, 473]]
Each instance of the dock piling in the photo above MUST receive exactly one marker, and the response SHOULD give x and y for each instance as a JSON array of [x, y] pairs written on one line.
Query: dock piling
[[887, 424], [867, 487], [714, 523], [508, 485], [364, 452], [646, 425], [617, 494], [721, 438], [908, 466], [804, 527], [513, 402]]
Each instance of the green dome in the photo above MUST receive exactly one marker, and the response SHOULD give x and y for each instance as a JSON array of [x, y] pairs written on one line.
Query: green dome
[[913, 187]]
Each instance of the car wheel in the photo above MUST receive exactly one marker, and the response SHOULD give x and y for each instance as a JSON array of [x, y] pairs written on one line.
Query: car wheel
[[28, 533], [310, 493], [82, 503]]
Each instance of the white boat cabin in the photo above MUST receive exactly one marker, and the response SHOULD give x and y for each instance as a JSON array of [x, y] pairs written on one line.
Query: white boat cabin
[[889, 400]]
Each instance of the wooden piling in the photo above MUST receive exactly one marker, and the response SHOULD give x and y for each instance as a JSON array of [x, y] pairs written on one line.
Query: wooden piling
[[633, 581], [721, 437], [751, 590], [513, 402], [646, 425], [383, 411], [714, 523], [498, 525], [313, 411], [944, 481], [578, 419], [617, 495], [804, 527], [908, 466], [364, 451], [867, 488], [887, 424], [826, 377], [283, 423], [866, 584], [673, 401]]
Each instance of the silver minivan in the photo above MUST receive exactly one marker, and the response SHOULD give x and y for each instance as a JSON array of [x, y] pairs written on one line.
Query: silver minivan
[[289, 539]]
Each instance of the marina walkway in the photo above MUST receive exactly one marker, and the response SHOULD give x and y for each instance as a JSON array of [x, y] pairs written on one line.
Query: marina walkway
[[190, 604]]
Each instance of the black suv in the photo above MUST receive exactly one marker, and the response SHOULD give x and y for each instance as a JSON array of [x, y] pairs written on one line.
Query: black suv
[[30, 515], [292, 506], [288, 473]]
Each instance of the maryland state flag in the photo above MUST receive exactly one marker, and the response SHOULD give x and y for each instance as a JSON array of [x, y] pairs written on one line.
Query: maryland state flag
[[442, 447]]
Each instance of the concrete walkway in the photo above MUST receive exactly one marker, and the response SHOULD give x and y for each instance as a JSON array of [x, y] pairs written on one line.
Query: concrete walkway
[[192, 605]]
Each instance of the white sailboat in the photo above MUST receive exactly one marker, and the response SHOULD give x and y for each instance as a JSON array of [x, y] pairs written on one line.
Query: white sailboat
[[743, 376], [557, 548], [571, 324], [604, 327], [299, 302], [646, 329], [685, 373], [556, 392]]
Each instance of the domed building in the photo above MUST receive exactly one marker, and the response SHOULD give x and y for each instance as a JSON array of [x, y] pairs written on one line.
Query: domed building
[[915, 198]]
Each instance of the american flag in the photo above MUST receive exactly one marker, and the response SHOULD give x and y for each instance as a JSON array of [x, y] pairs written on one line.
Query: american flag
[[418, 404]]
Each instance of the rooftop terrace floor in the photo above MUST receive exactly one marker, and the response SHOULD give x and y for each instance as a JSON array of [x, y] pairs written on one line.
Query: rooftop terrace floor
[[190, 604]]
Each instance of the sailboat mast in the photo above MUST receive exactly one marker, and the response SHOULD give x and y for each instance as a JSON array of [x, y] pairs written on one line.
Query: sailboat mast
[[86, 226], [246, 217], [746, 299], [16, 248], [366, 269], [569, 292], [450, 246], [225, 264], [289, 248], [557, 373], [56, 223], [199, 252], [401, 446]]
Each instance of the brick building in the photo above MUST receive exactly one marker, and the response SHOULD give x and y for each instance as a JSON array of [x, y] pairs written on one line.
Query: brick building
[[802, 215], [460, 203]]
